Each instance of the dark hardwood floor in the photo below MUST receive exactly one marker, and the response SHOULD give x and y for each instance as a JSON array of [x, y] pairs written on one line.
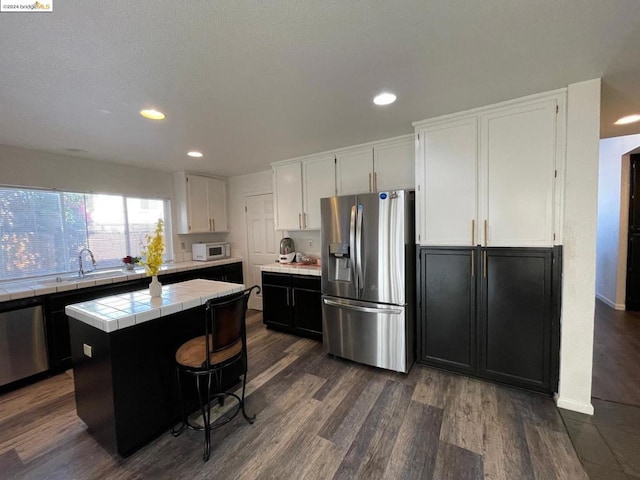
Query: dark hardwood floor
[[318, 417], [608, 443], [616, 355]]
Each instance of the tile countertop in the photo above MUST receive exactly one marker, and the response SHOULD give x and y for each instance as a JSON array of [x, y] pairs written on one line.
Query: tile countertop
[[116, 312], [44, 286], [293, 268]]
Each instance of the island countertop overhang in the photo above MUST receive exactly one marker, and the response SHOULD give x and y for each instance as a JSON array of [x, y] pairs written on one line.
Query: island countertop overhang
[[116, 312]]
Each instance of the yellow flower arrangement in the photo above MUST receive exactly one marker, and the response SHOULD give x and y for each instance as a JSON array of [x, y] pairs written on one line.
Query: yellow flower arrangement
[[152, 252]]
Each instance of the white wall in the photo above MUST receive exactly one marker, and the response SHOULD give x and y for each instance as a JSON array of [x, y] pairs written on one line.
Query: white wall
[[307, 241], [612, 192], [580, 212], [239, 187]]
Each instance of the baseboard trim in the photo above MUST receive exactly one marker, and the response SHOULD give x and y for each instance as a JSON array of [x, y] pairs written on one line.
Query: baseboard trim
[[616, 306], [579, 407]]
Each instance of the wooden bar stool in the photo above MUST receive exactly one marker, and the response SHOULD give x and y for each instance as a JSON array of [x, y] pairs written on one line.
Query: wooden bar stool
[[224, 344]]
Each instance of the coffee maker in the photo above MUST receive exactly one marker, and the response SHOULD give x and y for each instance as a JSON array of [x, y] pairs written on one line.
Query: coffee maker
[[287, 250]]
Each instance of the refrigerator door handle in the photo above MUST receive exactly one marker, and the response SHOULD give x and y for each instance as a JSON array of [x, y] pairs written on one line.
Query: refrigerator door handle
[[352, 244], [389, 311], [360, 276]]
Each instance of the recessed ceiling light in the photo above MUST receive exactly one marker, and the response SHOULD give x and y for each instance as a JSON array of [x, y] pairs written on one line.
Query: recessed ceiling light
[[628, 119], [385, 98], [152, 114], [195, 154]]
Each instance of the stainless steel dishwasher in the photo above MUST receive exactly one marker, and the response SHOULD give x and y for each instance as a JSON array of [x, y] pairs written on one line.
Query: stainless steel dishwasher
[[23, 346]]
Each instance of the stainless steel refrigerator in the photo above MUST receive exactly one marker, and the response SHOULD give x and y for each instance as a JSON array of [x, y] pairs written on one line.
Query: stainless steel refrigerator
[[368, 278]]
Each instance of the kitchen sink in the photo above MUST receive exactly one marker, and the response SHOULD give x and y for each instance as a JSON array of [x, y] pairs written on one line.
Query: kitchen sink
[[74, 278]]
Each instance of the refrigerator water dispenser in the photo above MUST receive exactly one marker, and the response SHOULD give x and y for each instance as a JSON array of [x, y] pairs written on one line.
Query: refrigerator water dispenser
[[340, 264]]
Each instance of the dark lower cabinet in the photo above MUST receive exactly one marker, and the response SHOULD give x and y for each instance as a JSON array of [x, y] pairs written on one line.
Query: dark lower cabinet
[[57, 323], [292, 303], [276, 304], [515, 318], [126, 392], [448, 333], [492, 313]]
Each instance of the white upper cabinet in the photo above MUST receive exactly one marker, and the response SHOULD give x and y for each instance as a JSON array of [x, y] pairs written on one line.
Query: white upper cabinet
[[217, 191], [298, 188], [201, 203], [299, 184], [379, 166], [488, 177], [197, 205], [393, 166], [287, 185], [446, 184], [319, 177], [518, 164], [354, 171]]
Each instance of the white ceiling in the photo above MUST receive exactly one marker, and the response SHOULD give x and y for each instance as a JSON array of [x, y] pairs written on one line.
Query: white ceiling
[[252, 82]]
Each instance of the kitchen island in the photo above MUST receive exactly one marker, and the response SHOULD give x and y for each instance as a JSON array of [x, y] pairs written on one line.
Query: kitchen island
[[123, 350]]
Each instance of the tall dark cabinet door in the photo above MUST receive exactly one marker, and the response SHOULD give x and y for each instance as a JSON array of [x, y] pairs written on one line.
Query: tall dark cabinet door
[[516, 316], [448, 308]]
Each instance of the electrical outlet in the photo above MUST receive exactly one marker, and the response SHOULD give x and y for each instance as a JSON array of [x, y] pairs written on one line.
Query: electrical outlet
[[311, 243], [182, 246], [87, 350]]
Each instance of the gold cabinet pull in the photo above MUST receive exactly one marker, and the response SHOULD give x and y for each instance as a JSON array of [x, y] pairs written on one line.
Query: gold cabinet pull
[[473, 232], [484, 267], [473, 261], [370, 182], [375, 181], [485, 233]]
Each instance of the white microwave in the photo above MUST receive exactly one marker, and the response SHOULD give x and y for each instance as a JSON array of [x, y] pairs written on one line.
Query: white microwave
[[204, 252]]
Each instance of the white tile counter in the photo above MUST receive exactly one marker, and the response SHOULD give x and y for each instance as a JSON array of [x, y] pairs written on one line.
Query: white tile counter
[[44, 286], [127, 309], [293, 269]]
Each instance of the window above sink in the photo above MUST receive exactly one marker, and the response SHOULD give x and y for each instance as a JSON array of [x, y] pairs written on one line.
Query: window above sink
[[43, 231]]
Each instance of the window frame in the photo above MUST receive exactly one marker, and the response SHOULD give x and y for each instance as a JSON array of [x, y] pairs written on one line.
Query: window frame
[[167, 231]]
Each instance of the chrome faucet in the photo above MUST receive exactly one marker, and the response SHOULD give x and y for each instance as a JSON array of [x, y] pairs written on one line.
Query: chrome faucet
[[93, 260]]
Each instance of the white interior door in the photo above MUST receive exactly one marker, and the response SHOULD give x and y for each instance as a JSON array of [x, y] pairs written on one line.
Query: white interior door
[[262, 240]]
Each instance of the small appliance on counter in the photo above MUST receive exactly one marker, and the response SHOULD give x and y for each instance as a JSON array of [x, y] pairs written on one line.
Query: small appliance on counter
[[205, 252], [287, 250]]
